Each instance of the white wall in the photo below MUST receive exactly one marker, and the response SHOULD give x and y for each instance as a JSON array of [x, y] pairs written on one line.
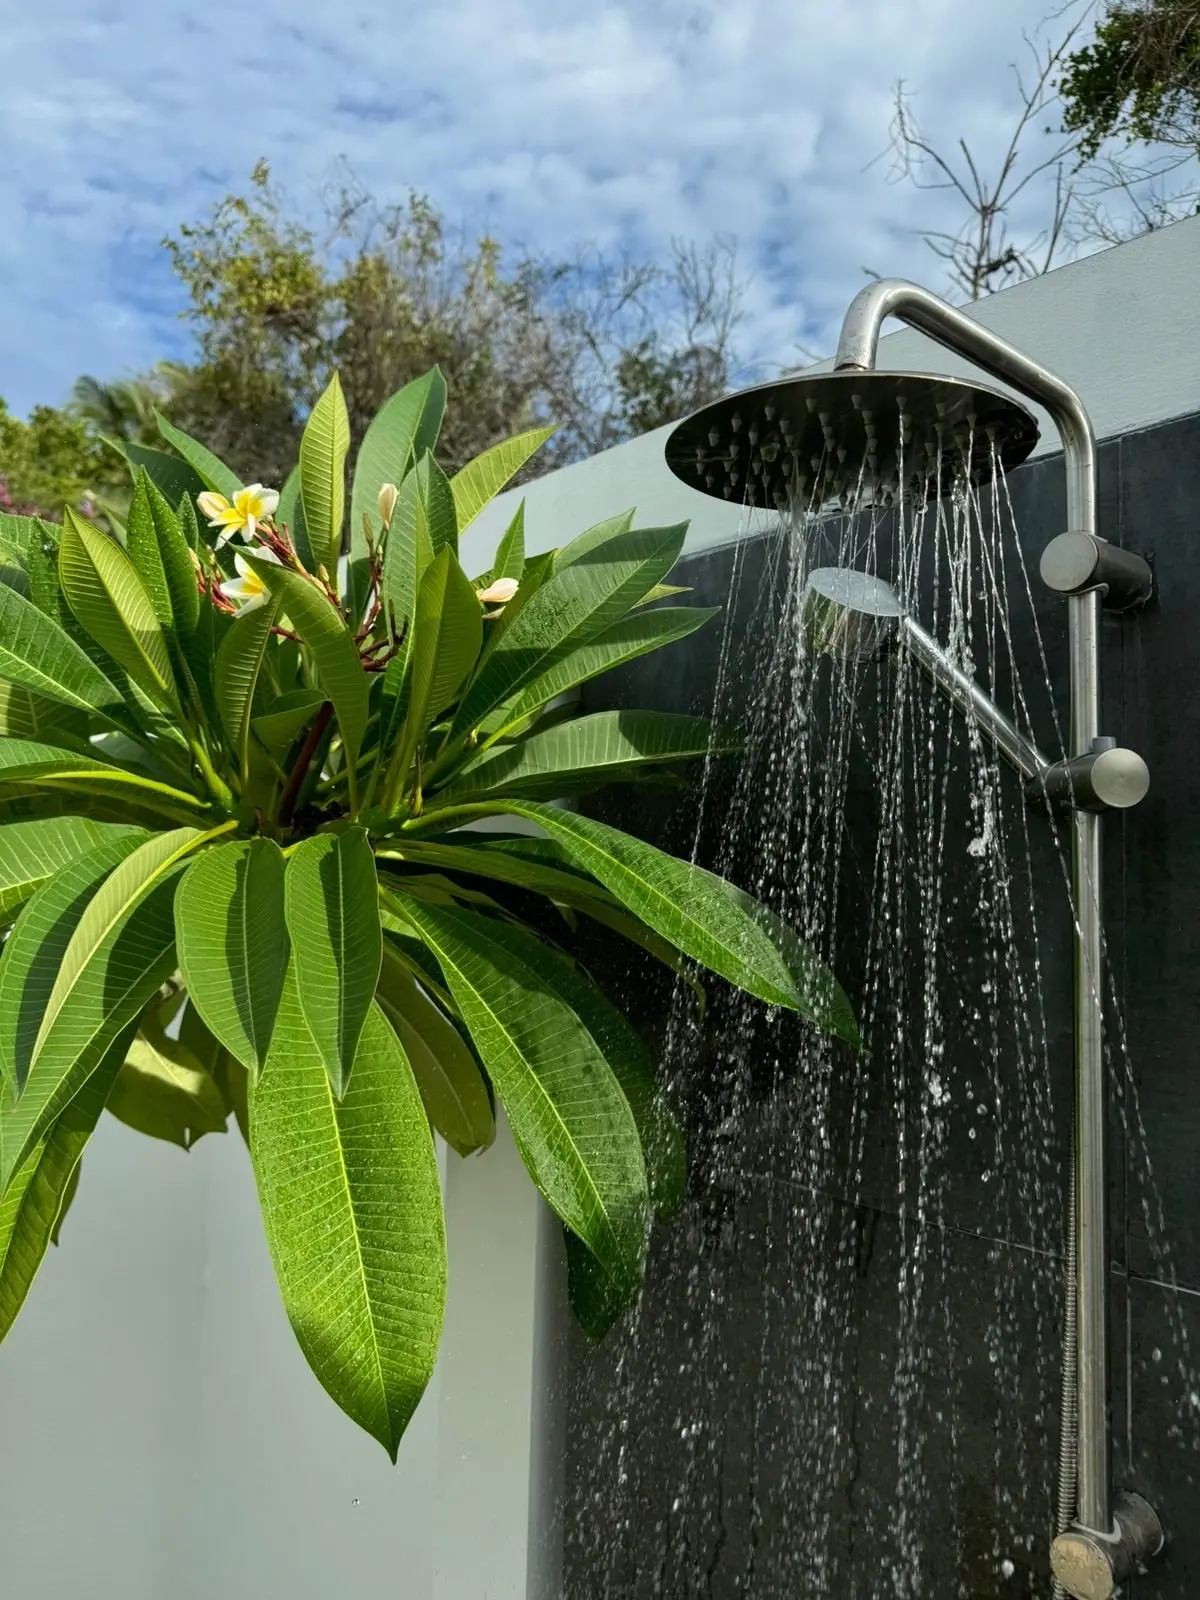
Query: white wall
[[161, 1437]]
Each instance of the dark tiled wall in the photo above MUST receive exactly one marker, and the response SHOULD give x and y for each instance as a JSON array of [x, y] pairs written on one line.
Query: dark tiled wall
[[792, 1414]]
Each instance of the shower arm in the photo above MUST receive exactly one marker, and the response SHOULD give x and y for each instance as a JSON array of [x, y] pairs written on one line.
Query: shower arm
[[858, 350]]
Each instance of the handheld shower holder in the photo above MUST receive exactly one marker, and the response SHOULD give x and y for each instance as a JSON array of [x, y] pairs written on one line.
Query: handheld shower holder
[[1078, 563]]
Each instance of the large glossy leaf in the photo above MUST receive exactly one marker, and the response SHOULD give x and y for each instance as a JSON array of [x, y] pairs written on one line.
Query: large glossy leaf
[[111, 604], [228, 1073], [570, 608], [171, 476], [333, 653], [290, 513], [331, 904], [178, 570], [510, 553], [121, 951], [690, 908], [579, 756], [402, 431], [448, 1078], [34, 851], [209, 468], [141, 544], [440, 513], [28, 765], [233, 943], [447, 636], [37, 654], [592, 538], [287, 717], [459, 854], [40, 1192], [569, 1117], [239, 662], [166, 1096], [39, 939], [351, 1203], [25, 715], [482, 479], [324, 446], [408, 553], [633, 636]]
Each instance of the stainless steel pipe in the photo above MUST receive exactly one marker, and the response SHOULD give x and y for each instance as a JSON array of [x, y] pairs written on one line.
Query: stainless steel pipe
[[858, 349]]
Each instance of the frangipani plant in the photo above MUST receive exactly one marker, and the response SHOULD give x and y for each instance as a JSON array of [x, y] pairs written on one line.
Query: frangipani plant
[[243, 778]]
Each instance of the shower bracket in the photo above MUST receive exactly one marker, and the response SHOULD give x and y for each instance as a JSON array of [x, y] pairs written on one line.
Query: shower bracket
[[1108, 777], [1082, 563]]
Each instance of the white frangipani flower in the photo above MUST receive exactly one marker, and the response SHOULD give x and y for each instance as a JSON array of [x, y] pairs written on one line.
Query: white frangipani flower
[[247, 589], [496, 594], [249, 507], [387, 502]]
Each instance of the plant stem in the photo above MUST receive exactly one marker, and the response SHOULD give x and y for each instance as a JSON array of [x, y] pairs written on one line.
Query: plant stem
[[303, 761]]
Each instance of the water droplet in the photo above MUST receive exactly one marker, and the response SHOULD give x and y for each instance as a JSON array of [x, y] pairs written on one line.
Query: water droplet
[[1006, 1568]]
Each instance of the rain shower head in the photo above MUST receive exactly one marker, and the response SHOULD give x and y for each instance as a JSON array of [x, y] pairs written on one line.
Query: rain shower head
[[849, 438]]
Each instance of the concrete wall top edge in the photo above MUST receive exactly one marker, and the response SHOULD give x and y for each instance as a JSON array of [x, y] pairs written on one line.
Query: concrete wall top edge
[[1122, 327]]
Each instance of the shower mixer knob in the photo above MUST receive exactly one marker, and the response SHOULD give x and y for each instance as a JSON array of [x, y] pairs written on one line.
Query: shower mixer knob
[[1077, 563]]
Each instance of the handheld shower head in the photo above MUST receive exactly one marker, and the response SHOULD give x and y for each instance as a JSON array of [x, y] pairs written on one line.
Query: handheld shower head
[[849, 614]]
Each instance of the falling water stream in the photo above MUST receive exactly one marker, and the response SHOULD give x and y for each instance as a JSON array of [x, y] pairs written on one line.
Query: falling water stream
[[848, 1384]]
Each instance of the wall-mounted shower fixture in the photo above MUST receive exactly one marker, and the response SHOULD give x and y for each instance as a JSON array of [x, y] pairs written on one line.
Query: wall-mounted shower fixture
[[857, 436], [857, 616]]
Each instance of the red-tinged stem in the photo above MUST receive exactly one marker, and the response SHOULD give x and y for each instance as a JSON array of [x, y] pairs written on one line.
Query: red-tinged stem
[[303, 761]]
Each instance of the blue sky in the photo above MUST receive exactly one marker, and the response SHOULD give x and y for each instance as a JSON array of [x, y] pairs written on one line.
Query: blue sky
[[553, 122]]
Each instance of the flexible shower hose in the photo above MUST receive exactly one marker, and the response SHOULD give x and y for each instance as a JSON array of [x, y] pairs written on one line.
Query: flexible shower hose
[[1068, 1446]]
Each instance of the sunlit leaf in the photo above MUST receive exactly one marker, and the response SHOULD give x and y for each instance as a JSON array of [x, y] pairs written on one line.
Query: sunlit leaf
[[331, 905], [351, 1202], [324, 446], [233, 943], [211, 470], [482, 479], [239, 662], [34, 851]]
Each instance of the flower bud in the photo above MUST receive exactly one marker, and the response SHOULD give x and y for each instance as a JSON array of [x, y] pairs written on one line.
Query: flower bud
[[387, 502]]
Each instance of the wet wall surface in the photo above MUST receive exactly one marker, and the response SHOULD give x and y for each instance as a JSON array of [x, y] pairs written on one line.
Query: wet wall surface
[[795, 1409]]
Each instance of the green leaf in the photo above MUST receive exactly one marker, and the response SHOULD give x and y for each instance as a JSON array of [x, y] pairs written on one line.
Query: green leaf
[[333, 651], [569, 609], [164, 1098], [210, 469], [569, 1118], [407, 554], [39, 1195], [178, 568], [121, 951], [664, 591], [111, 604], [591, 539], [171, 476], [510, 554], [233, 943], [690, 908], [482, 479], [201, 652], [448, 1077], [462, 855], [351, 1203], [447, 635], [578, 756], [43, 766], [142, 548], [33, 852], [324, 446], [229, 1075], [633, 636], [331, 903], [404, 428], [438, 497], [235, 677], [38, 655], [25, 715], [287, 718]]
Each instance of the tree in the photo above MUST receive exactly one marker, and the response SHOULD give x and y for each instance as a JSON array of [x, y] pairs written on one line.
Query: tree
[[50, 461], [1065, 112], [238, 876], [1139, 78]]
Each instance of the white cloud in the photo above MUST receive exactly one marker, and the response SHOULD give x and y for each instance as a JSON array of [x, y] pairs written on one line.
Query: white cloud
[[552, 124]]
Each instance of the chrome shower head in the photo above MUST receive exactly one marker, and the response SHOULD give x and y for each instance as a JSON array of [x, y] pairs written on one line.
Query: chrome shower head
[[852, 438], [849, 614]]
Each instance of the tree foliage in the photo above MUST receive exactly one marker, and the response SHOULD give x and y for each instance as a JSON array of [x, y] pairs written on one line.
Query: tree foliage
[[242, 872], [1139, 78]]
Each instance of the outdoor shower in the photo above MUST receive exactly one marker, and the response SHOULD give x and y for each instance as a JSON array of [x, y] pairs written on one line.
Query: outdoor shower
[[856, 436]]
